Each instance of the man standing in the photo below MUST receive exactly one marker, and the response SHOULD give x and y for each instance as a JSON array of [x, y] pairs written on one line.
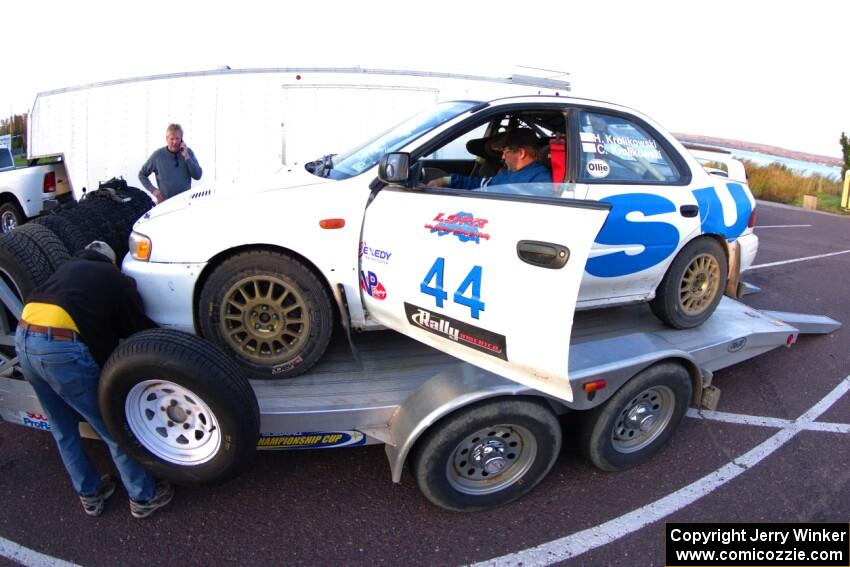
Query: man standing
[[175, 165], [69, 327], [519, 153]]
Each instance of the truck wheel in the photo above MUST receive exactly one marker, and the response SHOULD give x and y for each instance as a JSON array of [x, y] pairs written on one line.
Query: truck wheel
[[10, 217], [269, 311], [487, 454], [639, 419], [179, 407], [693, 285]]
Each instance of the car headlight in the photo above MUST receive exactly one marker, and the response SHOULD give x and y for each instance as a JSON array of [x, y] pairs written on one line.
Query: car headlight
[[140, 247]]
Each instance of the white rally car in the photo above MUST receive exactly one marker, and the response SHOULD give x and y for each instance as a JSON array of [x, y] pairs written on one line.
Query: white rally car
[[491, 275]]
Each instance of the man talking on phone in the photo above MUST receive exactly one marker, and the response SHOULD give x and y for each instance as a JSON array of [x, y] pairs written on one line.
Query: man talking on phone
[[175, 166]]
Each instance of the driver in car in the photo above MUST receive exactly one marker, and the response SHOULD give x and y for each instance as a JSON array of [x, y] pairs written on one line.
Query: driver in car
[[519, 153]]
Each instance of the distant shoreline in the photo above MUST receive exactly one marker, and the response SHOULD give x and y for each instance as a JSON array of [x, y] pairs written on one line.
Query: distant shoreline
[[762, 148]]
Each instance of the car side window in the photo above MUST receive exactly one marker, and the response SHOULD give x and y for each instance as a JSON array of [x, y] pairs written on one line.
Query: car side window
[[614, 149]]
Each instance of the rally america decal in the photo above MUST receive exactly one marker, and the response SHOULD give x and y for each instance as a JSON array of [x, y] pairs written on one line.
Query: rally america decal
[[463, 225], [462, 333], [311, 440]]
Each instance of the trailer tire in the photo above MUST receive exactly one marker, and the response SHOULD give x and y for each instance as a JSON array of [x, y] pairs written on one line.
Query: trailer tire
[[11, 216], [521, 435], [693, 285], [638, 419], [269, 311], [179, 407]]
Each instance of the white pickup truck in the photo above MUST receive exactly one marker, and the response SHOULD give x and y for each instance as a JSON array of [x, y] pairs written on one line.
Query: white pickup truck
[[26, 191]]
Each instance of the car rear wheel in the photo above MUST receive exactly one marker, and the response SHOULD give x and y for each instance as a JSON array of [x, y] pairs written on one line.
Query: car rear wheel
[[693, 285]]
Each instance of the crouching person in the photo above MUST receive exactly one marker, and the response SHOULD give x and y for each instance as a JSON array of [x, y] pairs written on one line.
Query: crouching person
[[69, 327]]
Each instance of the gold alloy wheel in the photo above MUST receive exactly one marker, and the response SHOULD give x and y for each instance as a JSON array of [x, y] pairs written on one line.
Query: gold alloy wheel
[[700, 284], [265, 319]]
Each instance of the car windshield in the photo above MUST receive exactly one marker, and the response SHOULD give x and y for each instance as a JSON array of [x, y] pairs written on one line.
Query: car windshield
[[363, 157]]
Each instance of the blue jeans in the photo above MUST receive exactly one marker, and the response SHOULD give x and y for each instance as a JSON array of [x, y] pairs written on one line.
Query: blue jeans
[[64, 376]]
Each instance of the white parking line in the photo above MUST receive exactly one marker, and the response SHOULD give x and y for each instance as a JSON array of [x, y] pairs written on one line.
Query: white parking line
[[818, 257], [612, 530], [784, 226], [28, 557]]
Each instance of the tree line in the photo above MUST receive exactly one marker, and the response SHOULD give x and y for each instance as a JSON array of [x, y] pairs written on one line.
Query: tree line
[[16, 125]]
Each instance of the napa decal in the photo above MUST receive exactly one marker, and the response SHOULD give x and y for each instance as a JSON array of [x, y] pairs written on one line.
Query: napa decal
[[35, 420], [659, 238], [375, 254], [370, 284], [462, 225], [311, 440]]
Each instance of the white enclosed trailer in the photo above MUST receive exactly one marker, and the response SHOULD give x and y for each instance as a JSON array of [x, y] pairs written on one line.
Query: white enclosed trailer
[[241, 122]]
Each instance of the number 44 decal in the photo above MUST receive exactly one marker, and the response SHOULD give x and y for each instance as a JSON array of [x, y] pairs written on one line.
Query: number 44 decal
[[472, 280]]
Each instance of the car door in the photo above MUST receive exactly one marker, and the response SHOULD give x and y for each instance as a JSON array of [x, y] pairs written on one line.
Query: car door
[[624, 161], [489, 278]]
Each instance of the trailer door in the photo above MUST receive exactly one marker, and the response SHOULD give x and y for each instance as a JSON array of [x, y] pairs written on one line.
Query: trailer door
[[491, 279]]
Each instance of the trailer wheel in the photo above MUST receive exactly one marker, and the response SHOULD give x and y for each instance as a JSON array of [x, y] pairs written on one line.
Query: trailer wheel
[[487, 454], [268, 310], [10, 216], [179, 407], [639, 419], [693, 285]]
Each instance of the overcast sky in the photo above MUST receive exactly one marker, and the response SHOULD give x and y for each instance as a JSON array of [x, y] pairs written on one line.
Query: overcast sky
[[769, 72]]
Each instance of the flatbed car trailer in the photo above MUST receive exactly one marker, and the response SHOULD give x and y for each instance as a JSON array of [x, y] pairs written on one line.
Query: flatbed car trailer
[[472, 438]]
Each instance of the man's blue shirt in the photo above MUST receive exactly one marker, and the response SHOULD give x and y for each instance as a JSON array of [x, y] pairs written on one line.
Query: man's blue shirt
[[535, 172]]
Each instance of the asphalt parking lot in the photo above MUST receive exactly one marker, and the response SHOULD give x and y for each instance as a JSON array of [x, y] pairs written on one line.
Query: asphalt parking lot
[[777, 452]]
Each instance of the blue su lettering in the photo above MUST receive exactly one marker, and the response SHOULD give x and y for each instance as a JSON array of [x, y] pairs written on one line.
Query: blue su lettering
[[659, 239], [711, 211]]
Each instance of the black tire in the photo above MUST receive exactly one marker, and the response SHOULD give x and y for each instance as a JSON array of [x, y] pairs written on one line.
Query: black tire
[[23, 265], [68, 233], [11, 216], [638, 419], [522, 435], [179, 407], [693, 285], [279, 335], [51, 246]]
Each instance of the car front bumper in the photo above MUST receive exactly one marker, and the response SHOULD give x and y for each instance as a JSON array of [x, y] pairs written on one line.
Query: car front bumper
[[167, 290]]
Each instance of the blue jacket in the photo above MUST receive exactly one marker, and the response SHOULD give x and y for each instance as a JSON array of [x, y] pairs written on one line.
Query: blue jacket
[[534, 172]]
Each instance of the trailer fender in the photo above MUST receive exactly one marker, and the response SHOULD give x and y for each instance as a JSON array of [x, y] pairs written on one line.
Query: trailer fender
[[435, 398]]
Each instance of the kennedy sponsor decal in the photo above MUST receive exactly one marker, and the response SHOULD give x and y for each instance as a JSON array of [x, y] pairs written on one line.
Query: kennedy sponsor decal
[[463, 225], [462, 333], [370, 284], [374, 254]]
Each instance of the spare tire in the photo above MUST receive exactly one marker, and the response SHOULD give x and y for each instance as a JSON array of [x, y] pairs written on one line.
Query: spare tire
[[23, 265], [179, 407], [45, 240], [70, 235]]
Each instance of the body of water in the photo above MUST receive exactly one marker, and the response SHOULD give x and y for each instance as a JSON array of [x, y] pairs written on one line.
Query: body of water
[[802, 167]]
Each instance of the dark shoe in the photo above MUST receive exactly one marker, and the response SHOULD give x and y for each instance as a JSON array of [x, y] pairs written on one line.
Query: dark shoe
[[93, 505], [164, 494]]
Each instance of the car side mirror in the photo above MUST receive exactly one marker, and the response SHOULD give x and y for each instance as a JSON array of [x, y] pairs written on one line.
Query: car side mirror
[[394, 168]]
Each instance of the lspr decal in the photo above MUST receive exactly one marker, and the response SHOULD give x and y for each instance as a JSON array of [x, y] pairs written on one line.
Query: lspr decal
[[465, 226]]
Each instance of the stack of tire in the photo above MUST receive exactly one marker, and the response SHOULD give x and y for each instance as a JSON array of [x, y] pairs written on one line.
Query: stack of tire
[[32, 252]]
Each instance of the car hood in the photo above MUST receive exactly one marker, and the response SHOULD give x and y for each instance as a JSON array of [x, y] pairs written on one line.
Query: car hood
[[286, 177]]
